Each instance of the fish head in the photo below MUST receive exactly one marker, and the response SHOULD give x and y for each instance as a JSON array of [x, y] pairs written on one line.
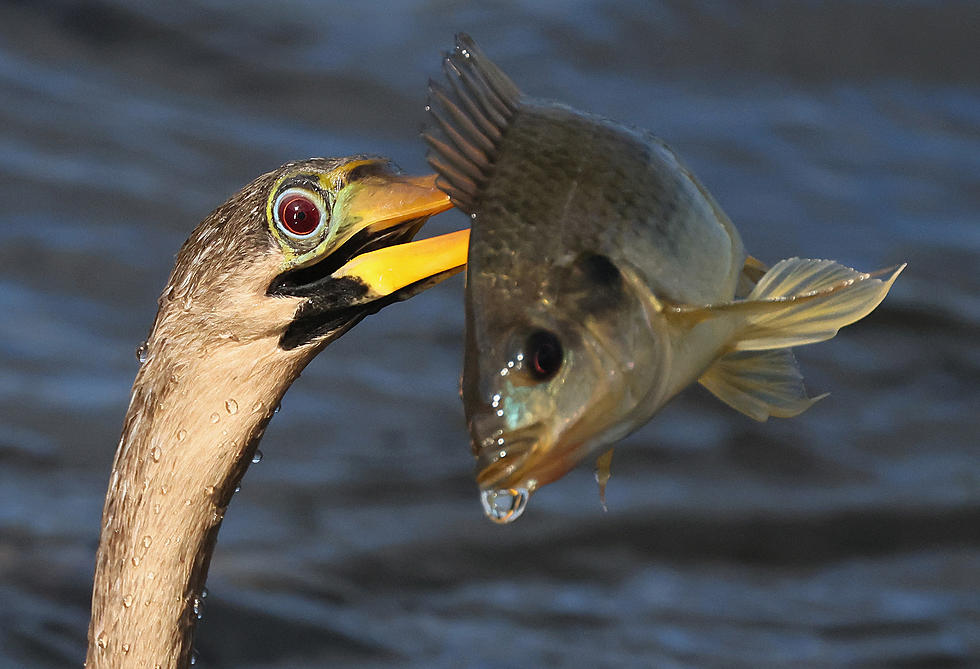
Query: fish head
[[557, 368]]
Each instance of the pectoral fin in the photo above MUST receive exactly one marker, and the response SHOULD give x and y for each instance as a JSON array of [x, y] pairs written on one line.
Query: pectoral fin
[[759, 384], [603, 472]]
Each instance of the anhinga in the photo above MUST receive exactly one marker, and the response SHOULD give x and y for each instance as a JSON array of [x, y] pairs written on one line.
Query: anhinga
[[263, 284]]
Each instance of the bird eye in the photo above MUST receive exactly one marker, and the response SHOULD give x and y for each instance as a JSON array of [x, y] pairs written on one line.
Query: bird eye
[[543, 355], [298, 212]]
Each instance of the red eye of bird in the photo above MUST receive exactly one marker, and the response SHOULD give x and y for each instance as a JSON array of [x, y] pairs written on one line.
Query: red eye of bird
[[298, 215]]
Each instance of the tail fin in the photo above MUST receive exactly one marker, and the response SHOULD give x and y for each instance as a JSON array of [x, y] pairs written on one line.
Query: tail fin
[[808, 301], [467, 120]]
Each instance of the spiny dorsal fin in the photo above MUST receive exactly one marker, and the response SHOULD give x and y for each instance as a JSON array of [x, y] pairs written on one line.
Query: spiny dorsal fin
[[467, 119], [759, 383]]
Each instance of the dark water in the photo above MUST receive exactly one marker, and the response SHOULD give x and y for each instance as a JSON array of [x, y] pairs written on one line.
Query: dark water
[[848, 537]]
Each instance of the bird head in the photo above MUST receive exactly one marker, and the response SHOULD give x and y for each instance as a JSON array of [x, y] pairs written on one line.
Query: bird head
[[274, 260]]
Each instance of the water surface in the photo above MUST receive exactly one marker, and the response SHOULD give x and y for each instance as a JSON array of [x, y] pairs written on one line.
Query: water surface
[[848, 537]]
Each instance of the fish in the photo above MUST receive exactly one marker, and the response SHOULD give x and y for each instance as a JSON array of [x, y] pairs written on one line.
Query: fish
[[602, 279]]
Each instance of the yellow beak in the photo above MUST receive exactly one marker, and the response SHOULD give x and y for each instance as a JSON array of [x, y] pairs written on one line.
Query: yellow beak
[[376, 204]]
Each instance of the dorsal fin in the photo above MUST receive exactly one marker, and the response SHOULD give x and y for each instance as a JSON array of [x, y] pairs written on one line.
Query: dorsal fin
[[467, 119]]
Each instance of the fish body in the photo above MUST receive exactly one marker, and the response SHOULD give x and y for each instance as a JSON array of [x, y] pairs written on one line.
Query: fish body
[[603, 278]]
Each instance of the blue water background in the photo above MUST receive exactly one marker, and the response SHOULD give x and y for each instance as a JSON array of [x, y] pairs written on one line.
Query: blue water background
[[847, 537]]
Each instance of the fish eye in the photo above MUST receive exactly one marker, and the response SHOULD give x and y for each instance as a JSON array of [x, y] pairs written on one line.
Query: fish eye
[[543, 355], [299, 212]]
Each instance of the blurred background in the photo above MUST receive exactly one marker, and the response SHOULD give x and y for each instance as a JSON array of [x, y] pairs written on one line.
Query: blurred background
[[847, 537]]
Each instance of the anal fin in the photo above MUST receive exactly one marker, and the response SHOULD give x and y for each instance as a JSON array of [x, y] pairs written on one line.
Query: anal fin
[[759, 383]]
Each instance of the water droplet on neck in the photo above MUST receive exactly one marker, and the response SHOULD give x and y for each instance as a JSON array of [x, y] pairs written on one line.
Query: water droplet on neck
[[156, 452], [181, 435], [506, 505], [198, 606], [141, 352], [257, 457], [215, 417], [231, 406], [102, 640]]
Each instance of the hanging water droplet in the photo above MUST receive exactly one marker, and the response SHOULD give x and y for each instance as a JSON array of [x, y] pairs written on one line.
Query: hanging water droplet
[[215, 417], [231, 406], [238, 488], [257, 457], [156, 452], [278, 408], [204, 593], [194, 656], [504, 506], [198, 606], [141, 352], [181, 435]]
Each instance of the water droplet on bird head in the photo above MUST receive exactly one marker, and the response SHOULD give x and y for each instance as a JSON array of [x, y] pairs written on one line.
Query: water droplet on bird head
[[102, 640], [505, 505], [257, 457], [231, 406], [181, 435], [156, 452], [215, 417], [141, 352]]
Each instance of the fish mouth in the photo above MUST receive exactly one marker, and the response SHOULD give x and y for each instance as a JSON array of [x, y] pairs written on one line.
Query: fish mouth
[[503, 465], [527, 461]]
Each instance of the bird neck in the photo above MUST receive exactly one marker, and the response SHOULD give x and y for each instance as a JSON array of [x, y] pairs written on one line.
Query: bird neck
[[195, 418]]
